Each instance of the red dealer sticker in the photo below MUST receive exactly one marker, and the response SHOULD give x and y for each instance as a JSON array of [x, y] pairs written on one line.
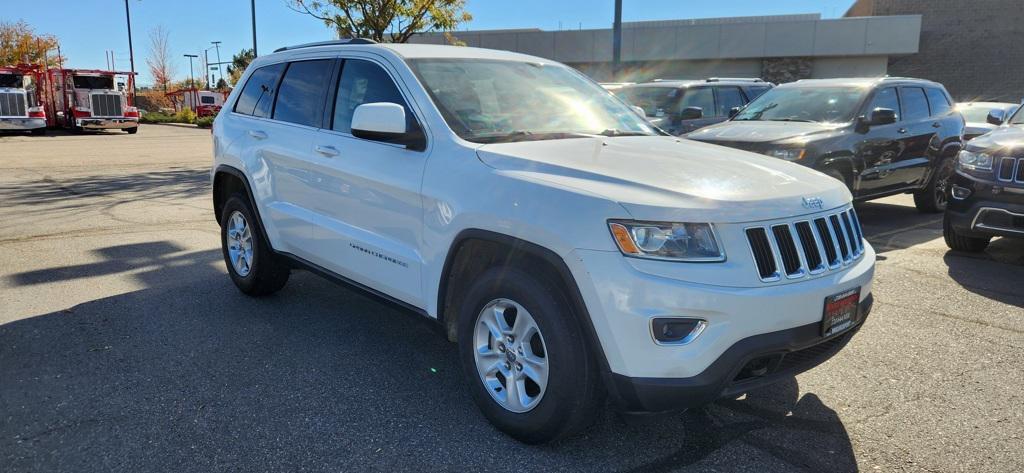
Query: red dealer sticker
[[840, 312]]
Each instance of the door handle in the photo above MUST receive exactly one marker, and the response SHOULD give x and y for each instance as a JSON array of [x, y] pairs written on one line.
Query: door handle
[[936, 125], [259, 135], [328, 151], [901, 130]]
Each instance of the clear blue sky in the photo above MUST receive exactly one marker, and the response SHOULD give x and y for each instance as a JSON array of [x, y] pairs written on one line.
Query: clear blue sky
[[87, 28]]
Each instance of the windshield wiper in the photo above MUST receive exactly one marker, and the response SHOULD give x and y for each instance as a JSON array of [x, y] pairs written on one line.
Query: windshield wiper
[[617, 132], [525, 135], [789, 120]]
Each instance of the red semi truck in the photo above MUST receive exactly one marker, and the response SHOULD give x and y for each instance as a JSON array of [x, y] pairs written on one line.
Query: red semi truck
[[91, 99], [21, 99]]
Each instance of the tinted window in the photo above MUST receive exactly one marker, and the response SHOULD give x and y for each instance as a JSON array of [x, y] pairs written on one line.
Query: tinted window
[[756, 91], [937, 100], [915, 105], [702, 97], [300, 97], [728, 98], [206, 99], [805, 104], [885, 98], [94, 82], [363, 82], [257, 97], [656, 101]]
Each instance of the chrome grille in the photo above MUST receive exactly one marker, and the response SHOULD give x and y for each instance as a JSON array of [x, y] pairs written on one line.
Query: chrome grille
[[806, 247], [1011, 170], [106, 105], [12, 104]]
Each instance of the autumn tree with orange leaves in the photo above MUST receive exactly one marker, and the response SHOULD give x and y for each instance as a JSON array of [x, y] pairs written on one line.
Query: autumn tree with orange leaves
[[20, 44], [160, 62]]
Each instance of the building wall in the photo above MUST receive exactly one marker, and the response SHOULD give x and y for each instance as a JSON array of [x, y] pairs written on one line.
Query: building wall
[[973, 47]]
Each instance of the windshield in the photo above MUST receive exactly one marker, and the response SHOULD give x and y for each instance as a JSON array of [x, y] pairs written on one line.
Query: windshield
[[656, 101], [94, 82], [805, 104], [11, 80], [488, 101], [978, 112], [1018, 116]]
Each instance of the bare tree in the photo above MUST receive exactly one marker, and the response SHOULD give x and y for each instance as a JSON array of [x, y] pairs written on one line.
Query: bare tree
[[392, 21], [161, 65]]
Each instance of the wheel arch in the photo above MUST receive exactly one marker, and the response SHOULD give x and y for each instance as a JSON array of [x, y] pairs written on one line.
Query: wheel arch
[[474, 250], [227, 180]]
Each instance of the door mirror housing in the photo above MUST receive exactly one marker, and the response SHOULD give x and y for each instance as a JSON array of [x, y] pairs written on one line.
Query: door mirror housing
[[734, 111], [995, 117], [691, 113], [385, 122], [639, 110], [881, 116]]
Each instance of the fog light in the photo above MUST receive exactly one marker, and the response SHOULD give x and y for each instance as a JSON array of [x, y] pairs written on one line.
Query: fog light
[[960, 193], [676, 330]]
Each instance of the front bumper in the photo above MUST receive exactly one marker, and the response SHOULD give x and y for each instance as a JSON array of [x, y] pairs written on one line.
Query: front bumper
[[106, 123], [742, 323], [991, 209], [22, 124]]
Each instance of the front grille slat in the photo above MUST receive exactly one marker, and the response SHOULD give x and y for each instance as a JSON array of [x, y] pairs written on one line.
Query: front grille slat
[[106, 105], [796, 249], [1006, 167]]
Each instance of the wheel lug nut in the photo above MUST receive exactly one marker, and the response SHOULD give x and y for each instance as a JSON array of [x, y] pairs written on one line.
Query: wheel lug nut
[[520, 350], [519, 366], [508, 366], [501, 348]]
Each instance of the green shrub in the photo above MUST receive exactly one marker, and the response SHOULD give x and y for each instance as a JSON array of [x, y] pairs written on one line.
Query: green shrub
[[155, 117], [205, 122], [186, 115]]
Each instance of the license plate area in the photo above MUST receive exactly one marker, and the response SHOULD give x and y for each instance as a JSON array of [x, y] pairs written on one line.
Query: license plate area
[[841, 312]]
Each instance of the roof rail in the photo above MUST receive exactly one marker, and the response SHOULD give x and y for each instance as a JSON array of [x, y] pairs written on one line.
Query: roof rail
[[327, 43], [735, 79]]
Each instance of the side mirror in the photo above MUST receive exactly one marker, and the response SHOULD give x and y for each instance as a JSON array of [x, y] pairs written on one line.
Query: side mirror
[[639, 110], [385, 122], [734, 111], [691, 113], [882, 116], [995, 116]]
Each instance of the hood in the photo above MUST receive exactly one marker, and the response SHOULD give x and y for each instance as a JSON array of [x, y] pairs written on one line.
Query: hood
[[761, 131], [1002, 138], [662, 178], [978, 128]]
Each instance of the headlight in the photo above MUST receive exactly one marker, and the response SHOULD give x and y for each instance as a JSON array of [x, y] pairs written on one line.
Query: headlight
[[667, 241], [975, 161], [787, 154]]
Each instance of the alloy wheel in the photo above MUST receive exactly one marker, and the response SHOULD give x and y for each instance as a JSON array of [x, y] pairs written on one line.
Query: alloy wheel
[[510, 355], [239, 242]]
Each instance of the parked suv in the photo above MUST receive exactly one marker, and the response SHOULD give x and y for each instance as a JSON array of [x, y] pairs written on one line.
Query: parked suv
[[681, 106], [987, 192], [878, 136], [570, 248]]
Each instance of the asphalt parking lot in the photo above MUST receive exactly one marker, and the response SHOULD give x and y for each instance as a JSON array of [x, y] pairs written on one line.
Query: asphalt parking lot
[[124, 346]]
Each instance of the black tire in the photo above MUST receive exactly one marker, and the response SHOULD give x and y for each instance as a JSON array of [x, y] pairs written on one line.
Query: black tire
[[934, 197], [960, 242], [573, 391], [267, 272], [39, 131], [132, 131]]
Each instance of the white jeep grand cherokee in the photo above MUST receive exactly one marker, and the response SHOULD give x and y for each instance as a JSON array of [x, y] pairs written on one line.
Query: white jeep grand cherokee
[[570, 249]]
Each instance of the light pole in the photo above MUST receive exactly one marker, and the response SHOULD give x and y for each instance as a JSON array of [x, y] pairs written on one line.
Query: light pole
[[131, 52], [617, 41], [206, 66], [191, 78], [216, 44], [254, 52]]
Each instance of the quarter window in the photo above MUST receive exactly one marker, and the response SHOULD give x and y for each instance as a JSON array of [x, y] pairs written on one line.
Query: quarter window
[[885, 98], [257, 96], [702, 97], [728, 98], [300, 98], [915, 105], [938, 101], [364, 82]]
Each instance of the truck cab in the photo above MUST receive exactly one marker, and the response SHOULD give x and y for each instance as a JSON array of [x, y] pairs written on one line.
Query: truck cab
[[20, 108], [94, 100]]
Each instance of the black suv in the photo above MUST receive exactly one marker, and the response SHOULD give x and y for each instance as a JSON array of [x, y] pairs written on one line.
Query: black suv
[[880, 136], [681, 106], [987, 191]]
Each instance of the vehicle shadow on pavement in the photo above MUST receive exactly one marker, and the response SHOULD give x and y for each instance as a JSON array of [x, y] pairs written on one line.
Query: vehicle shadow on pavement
[[190, 375], [171, 183], [895, 227], [995, 274]]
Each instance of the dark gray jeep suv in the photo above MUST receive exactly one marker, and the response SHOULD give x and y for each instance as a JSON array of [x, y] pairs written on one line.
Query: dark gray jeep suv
[[880, 136]]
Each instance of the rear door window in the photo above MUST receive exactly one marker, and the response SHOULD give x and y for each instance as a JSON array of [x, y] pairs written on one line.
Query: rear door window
[[938, 101], [728, 98], [300, 97], [257, 97], [915, 105], [702, 97], [756, 91]]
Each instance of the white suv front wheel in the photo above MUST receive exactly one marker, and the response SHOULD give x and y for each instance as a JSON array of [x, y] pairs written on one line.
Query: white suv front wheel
[[524, 355]]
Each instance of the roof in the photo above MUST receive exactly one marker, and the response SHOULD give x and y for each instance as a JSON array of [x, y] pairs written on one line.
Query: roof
[[680, 83], [857, 82], [414, 51], [986, 104]]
